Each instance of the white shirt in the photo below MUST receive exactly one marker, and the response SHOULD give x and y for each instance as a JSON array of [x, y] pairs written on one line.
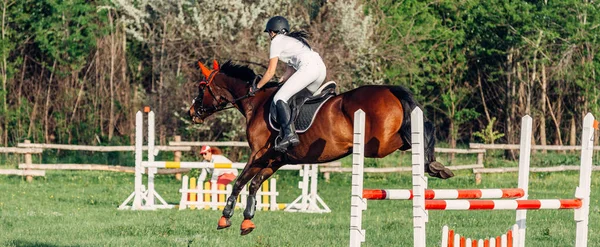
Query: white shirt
[[220, 159], [289, 50]]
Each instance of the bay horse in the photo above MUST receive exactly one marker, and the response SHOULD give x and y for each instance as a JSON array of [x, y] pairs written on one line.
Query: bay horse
[[330, 137]]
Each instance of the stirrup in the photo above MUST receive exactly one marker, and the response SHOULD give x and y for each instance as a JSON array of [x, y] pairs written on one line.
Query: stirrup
[[283, 149]]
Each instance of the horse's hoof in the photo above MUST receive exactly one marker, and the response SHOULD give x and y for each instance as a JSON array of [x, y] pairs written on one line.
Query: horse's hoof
[[436, 169], [223, 223], [446, 173], [247, 227]]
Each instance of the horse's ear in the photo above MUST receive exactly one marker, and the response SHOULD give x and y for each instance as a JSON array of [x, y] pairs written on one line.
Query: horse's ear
[[215, 65], [205, 71]]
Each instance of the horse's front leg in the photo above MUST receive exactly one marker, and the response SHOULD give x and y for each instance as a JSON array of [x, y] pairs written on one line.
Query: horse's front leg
[[248, 173], [257, 181]]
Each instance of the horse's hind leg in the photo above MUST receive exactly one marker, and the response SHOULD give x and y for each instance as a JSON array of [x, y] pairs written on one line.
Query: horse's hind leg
[[434, 168], [248, 173], [247, 225]]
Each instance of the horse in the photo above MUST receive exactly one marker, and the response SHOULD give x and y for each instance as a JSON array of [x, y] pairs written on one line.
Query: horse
[[329, 138]]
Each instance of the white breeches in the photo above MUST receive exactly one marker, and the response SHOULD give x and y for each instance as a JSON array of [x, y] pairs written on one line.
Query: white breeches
[[310, 75]]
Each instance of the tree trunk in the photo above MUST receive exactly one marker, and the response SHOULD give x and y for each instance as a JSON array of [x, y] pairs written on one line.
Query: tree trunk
[[161, 81], [452, 137], [511, 90], [98, 89], [30, 129], [125, 82], [47, 105], [485, 109], [543, 106], [19, 94], [111, 114], [4, 79], [573, 134]]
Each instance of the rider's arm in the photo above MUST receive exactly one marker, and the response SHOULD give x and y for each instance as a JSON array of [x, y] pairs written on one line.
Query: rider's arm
[[269, 73], [288, 72]]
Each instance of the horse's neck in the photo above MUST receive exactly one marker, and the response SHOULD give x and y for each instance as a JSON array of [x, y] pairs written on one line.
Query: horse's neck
[[250, 105], [236, 87]]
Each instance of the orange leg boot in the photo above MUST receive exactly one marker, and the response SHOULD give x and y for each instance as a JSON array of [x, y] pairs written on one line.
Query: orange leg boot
[[247, 227], [223, 223]]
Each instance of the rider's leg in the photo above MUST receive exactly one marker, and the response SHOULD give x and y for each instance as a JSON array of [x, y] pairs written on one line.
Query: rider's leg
[[310, 76], [284, 117]]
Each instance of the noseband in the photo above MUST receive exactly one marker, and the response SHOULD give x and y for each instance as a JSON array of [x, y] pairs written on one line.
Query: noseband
[[222, 102]]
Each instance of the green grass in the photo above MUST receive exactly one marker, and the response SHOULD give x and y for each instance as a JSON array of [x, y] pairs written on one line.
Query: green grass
[[80, 209]]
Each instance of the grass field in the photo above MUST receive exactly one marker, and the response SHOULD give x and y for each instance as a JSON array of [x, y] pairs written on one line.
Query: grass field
[[80, 209]]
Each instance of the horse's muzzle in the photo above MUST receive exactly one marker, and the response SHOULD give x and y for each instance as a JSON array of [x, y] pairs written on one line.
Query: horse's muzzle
[[195, 116], [197, 120]]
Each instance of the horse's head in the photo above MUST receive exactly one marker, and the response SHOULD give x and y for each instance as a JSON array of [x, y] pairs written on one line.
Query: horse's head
[[212, 96], [221, 86]]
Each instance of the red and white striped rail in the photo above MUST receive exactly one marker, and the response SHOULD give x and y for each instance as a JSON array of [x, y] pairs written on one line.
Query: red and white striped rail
[[502, 204], [383, 194]]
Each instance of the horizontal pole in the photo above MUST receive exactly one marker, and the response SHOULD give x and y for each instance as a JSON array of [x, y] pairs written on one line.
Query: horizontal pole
[[502, 204], [99, 148], [534, 147], [393, 169], [380, 194], [22, 172], [532, 169], [245, 144], [18, 150], [94, 167], [88, 167], [216, 144], [198, 165], [459, 151]]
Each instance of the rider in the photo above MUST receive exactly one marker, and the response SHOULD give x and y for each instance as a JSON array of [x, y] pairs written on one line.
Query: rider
[[305, 69]]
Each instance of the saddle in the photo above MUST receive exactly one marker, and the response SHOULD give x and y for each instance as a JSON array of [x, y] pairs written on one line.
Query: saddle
[[305, 106]]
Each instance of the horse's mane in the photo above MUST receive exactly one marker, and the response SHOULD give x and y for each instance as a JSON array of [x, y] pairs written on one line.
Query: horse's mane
[[238, 71], [243, 73]]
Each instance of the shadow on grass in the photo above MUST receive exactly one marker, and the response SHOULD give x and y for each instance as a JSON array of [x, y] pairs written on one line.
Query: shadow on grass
[[26, 243]]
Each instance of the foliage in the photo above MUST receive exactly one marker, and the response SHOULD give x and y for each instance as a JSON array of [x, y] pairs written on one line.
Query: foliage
[[489, 135], [77, 71]]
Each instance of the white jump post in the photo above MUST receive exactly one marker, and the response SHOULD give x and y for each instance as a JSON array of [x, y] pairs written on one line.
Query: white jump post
[[309, 201], [585, 179], [359, 204], [424, 199], [524, 161], [138, 193], [151, 170], [420, 215], [144, 199]]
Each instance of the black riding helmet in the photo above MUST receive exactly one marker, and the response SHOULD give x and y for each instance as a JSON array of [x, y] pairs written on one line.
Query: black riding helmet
[[278, 24]]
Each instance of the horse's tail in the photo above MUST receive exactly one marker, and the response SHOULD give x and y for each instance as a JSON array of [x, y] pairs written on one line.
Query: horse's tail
[[408, 105]]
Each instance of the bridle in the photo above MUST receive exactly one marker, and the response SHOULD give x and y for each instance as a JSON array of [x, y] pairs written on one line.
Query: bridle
[[222, 102]]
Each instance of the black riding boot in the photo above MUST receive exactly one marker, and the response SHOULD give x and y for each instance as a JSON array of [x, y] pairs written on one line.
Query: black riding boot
[[288, 130]]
